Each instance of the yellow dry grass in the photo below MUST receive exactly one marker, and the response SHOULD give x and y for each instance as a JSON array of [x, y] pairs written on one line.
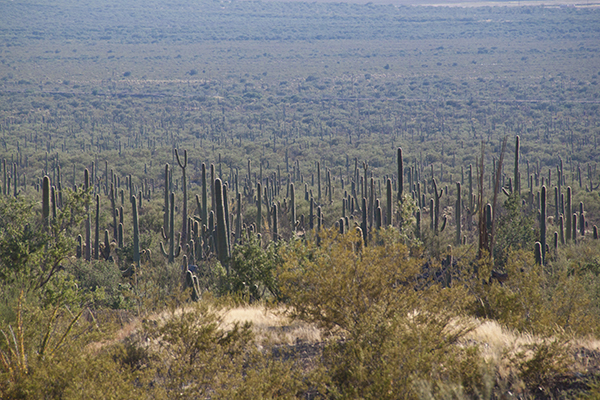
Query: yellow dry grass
[[272, 326]]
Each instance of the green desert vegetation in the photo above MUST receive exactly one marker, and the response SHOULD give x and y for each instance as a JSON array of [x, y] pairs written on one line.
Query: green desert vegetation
[[298, 200]]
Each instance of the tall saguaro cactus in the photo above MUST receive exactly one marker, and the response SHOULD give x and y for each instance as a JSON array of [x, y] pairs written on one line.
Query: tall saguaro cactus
[[46, 201], [517, 174], [204, 211], [292, 207], [136, 232], [568, 215], [173, 252], [183, 165], [400, 174], [389, 208], [222, 233], [458, 214], [97, 230], [436, 205], [258, 207], [543, 223], [166, 222]]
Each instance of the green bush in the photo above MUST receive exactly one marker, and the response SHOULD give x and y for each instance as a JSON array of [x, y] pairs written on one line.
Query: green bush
[[252, 270], [389, 337]]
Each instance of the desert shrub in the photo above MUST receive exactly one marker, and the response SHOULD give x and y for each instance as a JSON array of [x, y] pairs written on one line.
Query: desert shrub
[[30, 255], [515, 230], [388, 337], [44, 354], [252, 270], [198, 357], [561, 296], [103, 280]]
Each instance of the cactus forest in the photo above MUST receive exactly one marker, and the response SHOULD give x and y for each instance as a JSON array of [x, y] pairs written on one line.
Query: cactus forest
[[409, 194]]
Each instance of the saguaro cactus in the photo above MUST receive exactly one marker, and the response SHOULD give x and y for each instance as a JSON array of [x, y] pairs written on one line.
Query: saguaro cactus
[[97, 230], [222, 234], [46, 201], [517, 174], [538, 253], [166, 222], [174, 251], [204, 210], [436, 206], [364, 220], [183, 165], [275, 223], [543, 223], [136, 232], [458, 214], [258, 207], [319, 182], [400, 174], [388, 197], [568, 215], [238, 222], [292, 207], [418, 223]]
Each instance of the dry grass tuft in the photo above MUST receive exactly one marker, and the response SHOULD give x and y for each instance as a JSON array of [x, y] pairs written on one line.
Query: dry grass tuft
[[270, 326]]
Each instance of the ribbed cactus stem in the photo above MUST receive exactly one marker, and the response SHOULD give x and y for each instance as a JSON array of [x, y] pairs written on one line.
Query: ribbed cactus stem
[[436, 209], [418, 223], [568, 215], [517, 175], [319, 182], [319, 218], [431, 214], [97, 230], [400, 162], [581, 219], [106, 253], [226, 215], [292, 207], [183, 165], [458, 214], [79, 250], [238, 222], [88, 240], [136, 231], [390, 210], [204, 210], [561, 232], [364, 220], [173, 252], [166, 207], [489, 215], [114, 210], [258, 207], [471, 202], [538, 253], [275, 223], [120, 235], [222, 237], [45, 201], [543, 222], [329, 187], [556, 204], [86, 179], [311, 214]]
